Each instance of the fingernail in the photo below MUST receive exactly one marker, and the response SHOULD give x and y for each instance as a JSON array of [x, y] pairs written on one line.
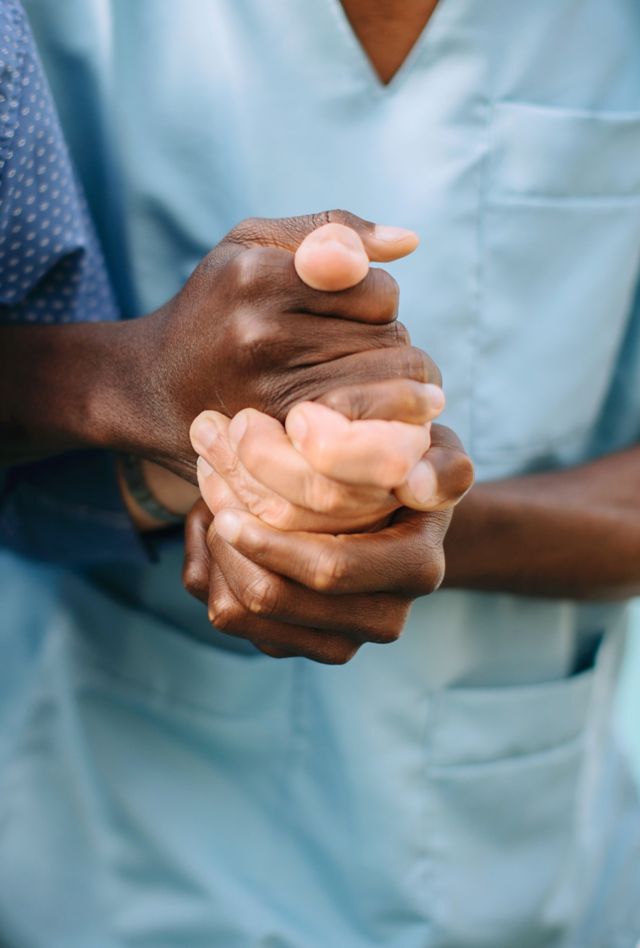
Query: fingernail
[[422, 482], [228, 524], [392, 234], [203, 433], [204, 468], [435, 396], [297, 428], [237, 428]]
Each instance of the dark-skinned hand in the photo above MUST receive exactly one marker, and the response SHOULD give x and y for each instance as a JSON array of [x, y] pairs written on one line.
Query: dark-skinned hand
[[315, 594], [333, 470], [247, 331]]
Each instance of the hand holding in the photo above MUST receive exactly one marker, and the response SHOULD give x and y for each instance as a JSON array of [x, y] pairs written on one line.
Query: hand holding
[[246, 331], [314, 594]]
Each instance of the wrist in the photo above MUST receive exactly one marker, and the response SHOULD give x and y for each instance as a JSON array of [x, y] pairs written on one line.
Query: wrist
[[134, 408], [151, 388], [119, 404], [58, 389]]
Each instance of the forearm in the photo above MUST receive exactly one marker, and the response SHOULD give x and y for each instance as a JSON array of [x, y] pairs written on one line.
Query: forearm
[[67, 386], [572, 533]]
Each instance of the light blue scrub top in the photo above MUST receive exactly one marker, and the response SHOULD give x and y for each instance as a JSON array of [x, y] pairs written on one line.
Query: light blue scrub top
[[456, 789]]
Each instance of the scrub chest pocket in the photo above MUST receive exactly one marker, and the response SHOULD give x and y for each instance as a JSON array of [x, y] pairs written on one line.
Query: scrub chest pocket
[[559, 265]]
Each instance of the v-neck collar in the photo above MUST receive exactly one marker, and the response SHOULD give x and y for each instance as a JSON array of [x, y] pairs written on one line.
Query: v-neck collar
[[358, 52]]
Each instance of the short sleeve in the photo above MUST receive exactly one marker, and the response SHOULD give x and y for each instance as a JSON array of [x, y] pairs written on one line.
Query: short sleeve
[[51, 266], [66, 509]]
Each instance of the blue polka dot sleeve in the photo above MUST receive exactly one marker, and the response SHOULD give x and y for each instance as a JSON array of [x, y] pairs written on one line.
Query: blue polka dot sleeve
[[66, 509], [51, 267]]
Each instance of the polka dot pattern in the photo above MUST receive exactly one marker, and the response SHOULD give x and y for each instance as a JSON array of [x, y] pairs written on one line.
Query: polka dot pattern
[[51, 266]]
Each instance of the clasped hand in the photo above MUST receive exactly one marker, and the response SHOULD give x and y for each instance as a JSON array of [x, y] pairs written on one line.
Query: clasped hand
[[327, 527]]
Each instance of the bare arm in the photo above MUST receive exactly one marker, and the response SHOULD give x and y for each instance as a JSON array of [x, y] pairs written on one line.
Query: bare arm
[[573, 533], [65, 386], [244, 331]]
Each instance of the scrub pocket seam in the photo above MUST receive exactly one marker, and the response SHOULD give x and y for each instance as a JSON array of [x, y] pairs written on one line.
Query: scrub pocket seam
[[523, 186]]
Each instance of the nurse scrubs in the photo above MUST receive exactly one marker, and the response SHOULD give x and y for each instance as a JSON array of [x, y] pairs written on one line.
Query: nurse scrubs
[[459, 788]]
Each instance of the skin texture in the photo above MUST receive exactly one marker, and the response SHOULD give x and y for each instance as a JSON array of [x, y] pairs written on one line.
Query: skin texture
[[568, 534], [572, 534], [307, 513], [316, 595], [257, 467], [564, 534], [333, 258], [245, 331], [388, 29]]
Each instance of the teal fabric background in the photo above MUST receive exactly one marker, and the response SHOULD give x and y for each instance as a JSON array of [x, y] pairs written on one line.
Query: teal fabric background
[[458, 789], [628, 704]]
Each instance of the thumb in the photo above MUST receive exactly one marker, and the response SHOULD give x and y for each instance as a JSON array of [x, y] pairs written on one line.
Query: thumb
[[332, 258], [381, 243]]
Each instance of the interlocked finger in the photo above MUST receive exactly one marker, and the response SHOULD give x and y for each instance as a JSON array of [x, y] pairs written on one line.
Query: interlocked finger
[[262, 593], [404, 557], [279, 639]]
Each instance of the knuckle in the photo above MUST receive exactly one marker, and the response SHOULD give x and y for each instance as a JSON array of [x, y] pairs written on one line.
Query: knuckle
[[414, 398], [414, 364], [432, 572], [320, 218], [273, 652], [216, 491], [330, 571], [342, 654], [387, 292], [335, 652], [387, 636], [388, 628], [246, 268], [224, 613], [348, 400], [465, 475], [275, 511], [246, 231], [261, 595], [252, 334], [323, 496], [401, 334], [341, 216], [195, 579]]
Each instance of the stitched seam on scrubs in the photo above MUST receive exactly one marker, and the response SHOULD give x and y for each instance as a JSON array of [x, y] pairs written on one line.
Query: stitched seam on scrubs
[[427, 820], [525, 757], [432, 844], [480, 288], [605, 116]]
